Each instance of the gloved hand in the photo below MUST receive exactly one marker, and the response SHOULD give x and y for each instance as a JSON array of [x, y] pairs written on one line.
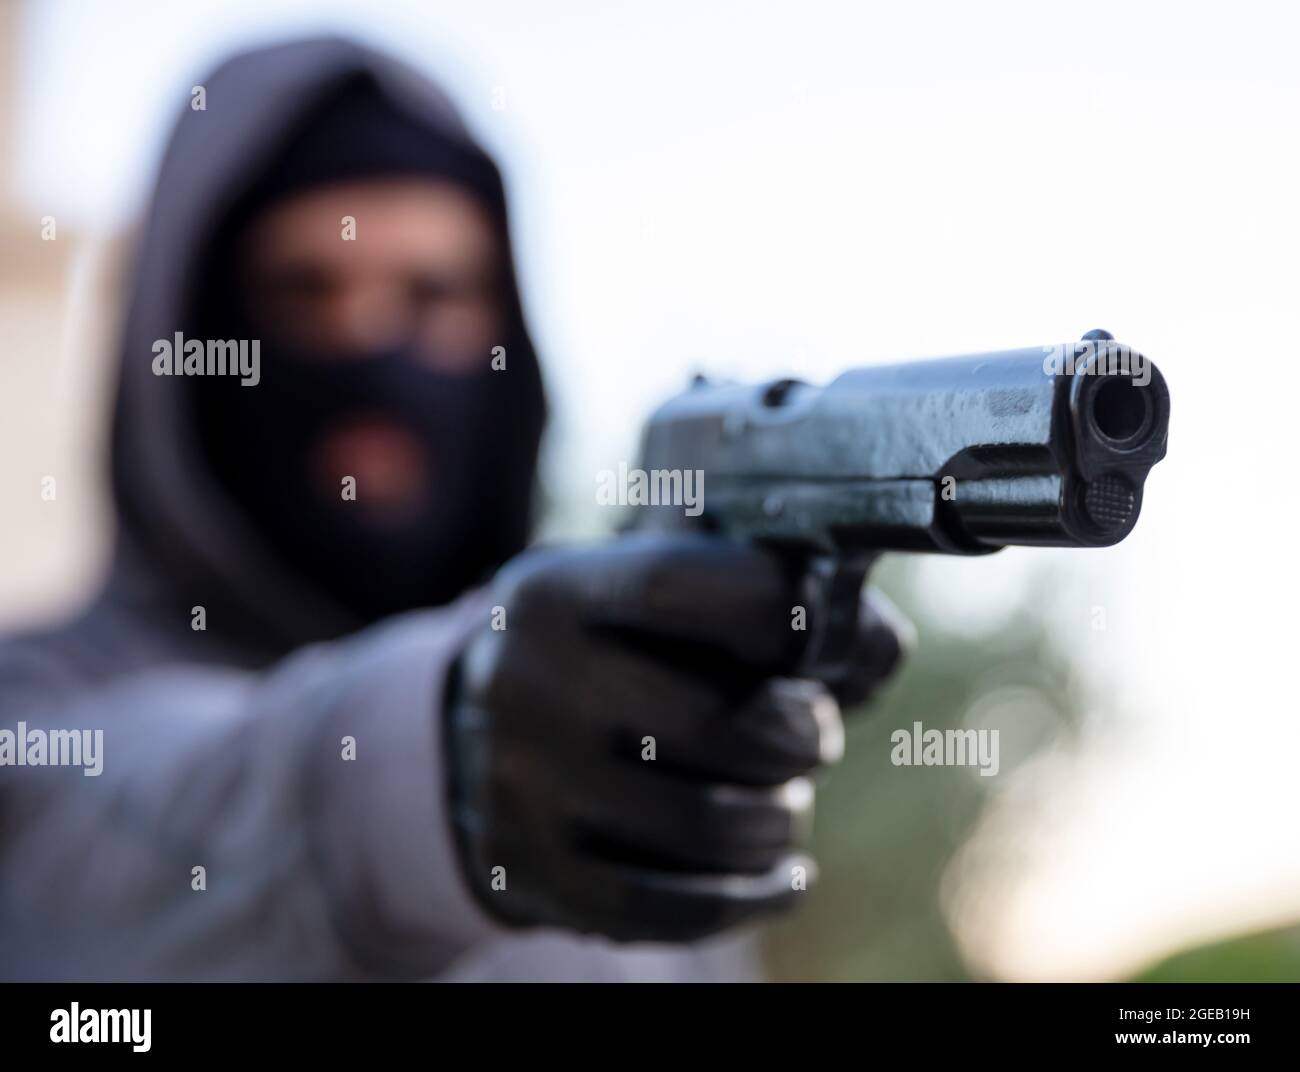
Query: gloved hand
[[666, 646]]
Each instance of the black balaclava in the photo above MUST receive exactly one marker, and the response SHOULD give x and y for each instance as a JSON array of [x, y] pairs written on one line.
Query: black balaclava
[[479, 430]]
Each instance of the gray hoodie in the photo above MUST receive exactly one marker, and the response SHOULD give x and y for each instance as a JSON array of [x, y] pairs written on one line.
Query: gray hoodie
[[269, 798]]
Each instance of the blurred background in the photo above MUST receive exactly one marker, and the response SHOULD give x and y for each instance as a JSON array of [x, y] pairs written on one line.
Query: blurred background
[[760, 189]]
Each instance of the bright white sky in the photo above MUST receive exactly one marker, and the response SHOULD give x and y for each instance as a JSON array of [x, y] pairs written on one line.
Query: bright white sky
[[752, 188]]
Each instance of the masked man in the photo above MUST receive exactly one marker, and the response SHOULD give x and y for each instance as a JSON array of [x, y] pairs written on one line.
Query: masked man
[[350, 729]]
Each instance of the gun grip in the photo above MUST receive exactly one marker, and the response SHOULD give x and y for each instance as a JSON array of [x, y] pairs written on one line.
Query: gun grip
[[832, 594]]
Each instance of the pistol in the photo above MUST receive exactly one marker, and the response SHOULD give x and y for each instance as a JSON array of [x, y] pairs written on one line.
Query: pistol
[[1047, 446]]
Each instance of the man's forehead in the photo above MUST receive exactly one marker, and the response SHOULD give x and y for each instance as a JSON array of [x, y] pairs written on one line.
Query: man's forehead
[[357, 220]]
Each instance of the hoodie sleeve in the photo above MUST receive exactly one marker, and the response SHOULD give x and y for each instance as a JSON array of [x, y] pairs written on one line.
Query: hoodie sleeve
[[290, 824]]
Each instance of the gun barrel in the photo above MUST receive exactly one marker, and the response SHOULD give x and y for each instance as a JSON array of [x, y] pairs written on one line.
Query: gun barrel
[[1047, 446]]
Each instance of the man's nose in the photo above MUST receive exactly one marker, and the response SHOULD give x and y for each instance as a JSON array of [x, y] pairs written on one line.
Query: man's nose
[[368, 319]]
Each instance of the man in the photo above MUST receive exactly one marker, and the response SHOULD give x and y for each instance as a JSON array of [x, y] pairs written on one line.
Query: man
[[335, 745]]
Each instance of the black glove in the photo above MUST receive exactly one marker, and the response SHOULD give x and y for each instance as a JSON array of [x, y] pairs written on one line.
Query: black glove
[[680, 639]]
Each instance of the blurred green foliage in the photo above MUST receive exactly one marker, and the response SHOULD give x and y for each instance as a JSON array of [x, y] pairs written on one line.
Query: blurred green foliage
[[1268, 957], [884, 834]]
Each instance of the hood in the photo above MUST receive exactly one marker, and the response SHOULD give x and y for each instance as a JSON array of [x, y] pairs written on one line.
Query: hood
[[181, 542]]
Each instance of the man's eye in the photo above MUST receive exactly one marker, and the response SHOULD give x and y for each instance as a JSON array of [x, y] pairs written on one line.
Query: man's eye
[[429, 291], [301, 286]]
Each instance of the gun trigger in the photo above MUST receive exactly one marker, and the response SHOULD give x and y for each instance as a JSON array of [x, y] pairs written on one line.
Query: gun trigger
[[832, 592]]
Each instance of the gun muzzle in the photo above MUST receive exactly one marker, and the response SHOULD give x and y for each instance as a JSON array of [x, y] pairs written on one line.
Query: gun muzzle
[[1110, 424]]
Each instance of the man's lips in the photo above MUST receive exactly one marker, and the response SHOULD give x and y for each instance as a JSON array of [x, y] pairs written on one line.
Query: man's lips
[[389, 463]]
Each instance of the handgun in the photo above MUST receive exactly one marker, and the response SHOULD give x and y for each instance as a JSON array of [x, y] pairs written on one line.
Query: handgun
[[1045, 446]]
